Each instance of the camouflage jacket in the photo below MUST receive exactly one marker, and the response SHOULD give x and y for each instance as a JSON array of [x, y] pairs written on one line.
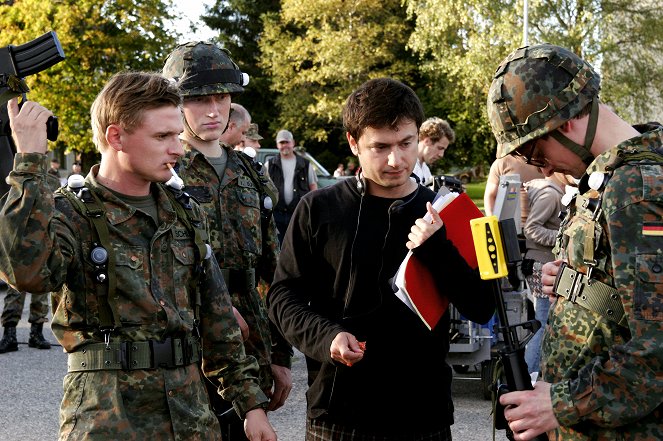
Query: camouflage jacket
[[607, 378], [45, 246], [239, 242]]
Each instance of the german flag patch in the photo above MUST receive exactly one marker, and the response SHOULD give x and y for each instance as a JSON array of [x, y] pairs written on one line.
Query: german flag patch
[[652, 229]]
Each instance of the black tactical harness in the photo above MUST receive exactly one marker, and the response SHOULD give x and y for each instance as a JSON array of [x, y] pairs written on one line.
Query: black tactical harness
[[172, 352]]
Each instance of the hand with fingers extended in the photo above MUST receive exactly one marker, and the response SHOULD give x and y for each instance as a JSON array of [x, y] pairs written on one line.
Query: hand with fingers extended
[[423, 229], [28, 125], [346, 349]]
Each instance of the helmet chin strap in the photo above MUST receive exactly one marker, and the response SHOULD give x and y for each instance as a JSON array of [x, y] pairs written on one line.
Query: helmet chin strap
[[195, 135], [582, 150], [190, 130]]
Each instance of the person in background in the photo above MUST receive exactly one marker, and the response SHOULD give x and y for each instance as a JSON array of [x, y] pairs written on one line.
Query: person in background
[[238, 124], [76, 169], [602, 352], [11, 315], [232, 192], [332, 295], [545, 205], [54, 170], [340, 170], [435, 135], [509, 165], [293, 175], [251, 138], [351, 168]]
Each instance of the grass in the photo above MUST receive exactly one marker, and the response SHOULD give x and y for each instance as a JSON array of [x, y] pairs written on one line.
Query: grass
[[475, 191]]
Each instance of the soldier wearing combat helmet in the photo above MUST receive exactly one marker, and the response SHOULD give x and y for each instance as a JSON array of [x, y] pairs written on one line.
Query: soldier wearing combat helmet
[[602, 353], [237, 199]]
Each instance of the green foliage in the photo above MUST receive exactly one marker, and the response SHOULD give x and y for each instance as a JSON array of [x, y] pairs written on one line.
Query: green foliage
[[240, 26], [465, 41], [475, 191], [98, 39], [318, 51]]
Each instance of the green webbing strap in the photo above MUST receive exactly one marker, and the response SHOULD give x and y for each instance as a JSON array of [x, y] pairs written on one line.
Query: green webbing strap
[[134, 355], [258, 179], [580, 150], [195, 227], [92, 209]]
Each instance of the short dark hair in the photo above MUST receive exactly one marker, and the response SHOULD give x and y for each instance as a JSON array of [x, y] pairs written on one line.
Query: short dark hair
[[378, 103]]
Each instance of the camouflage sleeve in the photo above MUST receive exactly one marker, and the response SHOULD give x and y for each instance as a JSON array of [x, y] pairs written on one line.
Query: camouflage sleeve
[[225, 361], [627, 386], [33, 250], [282, 351]]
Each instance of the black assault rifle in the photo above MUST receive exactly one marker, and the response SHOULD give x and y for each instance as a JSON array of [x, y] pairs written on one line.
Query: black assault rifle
[[496, 244], [16, 63]]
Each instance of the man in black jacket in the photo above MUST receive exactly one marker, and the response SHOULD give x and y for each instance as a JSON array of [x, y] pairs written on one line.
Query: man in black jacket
[[375, 370]]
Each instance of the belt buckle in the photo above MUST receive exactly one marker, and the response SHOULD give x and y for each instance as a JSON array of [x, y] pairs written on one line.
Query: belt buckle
[[126, 358], [560, 273], [187, 351], [163, 353]]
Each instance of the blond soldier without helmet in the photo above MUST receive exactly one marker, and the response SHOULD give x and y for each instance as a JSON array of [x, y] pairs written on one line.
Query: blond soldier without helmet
[[232, 193], [134, 341], [602, 353]]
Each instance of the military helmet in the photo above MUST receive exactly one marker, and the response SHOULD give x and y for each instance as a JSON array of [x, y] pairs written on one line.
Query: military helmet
[[253, 132], [535, 90], [202, 68]]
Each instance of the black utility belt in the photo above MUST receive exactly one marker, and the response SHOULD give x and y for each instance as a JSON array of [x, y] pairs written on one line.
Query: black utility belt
[[590, 294], [134, 355]]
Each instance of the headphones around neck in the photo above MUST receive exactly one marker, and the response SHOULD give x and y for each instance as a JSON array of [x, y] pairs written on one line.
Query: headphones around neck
[[361, 184]]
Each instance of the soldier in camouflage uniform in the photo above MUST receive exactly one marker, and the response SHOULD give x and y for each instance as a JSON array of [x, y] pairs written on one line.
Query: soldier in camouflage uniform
[[228, 187], [137, 295], [602, 354], [11, 315]]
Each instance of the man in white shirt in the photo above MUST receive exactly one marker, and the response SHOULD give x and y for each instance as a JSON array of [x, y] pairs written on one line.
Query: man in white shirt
[[435, 135]]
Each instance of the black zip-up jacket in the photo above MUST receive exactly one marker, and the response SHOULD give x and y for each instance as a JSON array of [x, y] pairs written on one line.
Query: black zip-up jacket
[[333, 276]]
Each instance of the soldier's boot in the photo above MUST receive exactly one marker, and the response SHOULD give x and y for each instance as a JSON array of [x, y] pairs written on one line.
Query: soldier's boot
[[37, 339], [8, 342]]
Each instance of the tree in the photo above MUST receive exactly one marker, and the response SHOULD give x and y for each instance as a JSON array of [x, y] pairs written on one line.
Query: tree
[[99, 38], [465, 42], [240, 26], [318, 51]]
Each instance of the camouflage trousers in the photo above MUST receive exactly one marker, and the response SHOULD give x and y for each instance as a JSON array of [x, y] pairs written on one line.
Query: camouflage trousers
[[14, 302]]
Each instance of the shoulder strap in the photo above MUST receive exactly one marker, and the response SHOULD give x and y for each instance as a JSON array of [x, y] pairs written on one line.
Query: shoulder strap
[[89, 206], [180, 201], [262, 182]]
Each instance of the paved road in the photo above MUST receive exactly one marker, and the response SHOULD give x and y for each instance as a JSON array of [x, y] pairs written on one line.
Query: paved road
[[31, 390]]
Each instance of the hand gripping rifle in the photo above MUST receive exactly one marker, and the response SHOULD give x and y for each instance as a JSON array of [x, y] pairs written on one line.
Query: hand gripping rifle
[[496, 245], [16, 63]]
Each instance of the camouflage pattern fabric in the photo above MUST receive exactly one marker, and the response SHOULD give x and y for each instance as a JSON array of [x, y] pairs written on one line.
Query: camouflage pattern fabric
[[606, 378], [44, 246], [13, 309], [203, 69], [232, 204]]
